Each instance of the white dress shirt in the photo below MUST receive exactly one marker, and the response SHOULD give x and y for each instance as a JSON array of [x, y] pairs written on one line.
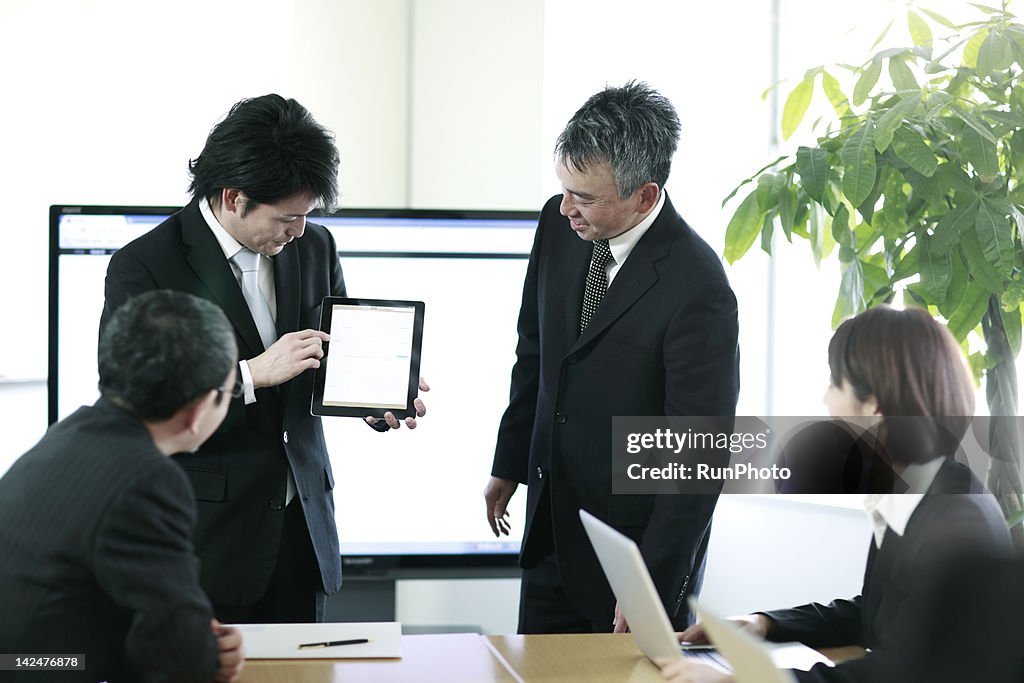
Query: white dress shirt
[[622, 245], [230, 246], [893, 510]]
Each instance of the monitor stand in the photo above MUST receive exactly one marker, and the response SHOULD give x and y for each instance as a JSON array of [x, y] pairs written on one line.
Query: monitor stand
[[370, 598]]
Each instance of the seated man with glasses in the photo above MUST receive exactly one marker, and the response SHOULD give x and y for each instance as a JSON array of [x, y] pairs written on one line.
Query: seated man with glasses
[[97, 567]]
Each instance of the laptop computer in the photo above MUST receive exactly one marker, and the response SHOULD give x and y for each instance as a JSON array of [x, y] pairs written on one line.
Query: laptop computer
[[749, 659]]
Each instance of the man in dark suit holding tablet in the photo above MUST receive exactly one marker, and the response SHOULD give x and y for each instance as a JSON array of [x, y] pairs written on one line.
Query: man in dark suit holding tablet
[[266, 533], [625, 311]]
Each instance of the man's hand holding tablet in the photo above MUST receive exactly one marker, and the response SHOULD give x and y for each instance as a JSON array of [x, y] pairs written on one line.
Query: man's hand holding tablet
[[370, 363]]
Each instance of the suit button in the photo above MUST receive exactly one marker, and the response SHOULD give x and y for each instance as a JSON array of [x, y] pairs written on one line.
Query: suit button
[[540, 473], [573, 358], [285, 437], [276, 504], [560, 418]]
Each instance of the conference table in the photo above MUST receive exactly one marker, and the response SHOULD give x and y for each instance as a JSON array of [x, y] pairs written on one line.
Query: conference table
[[471, 658]]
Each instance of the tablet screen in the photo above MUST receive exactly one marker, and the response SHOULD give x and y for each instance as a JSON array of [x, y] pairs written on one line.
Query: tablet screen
[[371, 364]]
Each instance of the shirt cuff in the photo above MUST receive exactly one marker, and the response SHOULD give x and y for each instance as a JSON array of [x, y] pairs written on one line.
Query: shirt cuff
[[248, 390]]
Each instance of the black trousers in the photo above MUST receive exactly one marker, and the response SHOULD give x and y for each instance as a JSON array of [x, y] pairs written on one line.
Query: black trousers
[[543, 605], [295, 593]]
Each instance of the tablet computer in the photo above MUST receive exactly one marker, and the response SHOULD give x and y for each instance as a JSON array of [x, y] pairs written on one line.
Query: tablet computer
[[371, 365]]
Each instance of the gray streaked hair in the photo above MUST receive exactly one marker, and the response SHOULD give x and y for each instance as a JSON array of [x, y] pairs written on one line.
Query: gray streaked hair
[[633, 128]]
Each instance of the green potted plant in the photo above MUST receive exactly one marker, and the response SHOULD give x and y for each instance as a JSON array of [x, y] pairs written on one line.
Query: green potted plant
[[917, 184]]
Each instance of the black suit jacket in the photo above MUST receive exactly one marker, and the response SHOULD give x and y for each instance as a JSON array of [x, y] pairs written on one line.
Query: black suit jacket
[[955, 519], [96, 558], [662, 342], [239, 474], [974, 630]]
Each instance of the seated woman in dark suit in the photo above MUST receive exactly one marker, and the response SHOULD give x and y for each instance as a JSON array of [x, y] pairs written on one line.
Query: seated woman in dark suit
[[902, 372]]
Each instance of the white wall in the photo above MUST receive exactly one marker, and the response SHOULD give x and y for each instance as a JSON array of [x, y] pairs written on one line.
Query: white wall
[[436, 103], [476, 103]]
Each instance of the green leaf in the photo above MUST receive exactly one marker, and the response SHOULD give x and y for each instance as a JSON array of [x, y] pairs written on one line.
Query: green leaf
[[914, 290], [995, 234], [968, 314], [751, 178], [812, 165], [982, 272], [743, 228], [1008, 118], [841, 227], [867, 207], [901, 75], [911, 148], [1018, 40], [788, 205], [865, 236], [970, 58], [1012, 325], [936, 64], [938, 18], [892, 118], [957, 286], [951, 176], [907, 266], [994, 54], [936, 271], [919, 31], [978, 125], [979, 364], [767, 231], [796, 107], [925, 189], [819, 235], [986, 8], [980, 153], [768, 185], [881, 36], [951, 227], [876, 281], [851, 293], [866, 82], [835, 95], [859, 168]]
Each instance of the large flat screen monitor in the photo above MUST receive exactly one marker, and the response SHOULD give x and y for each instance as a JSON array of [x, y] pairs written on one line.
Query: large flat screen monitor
[[405, 500]]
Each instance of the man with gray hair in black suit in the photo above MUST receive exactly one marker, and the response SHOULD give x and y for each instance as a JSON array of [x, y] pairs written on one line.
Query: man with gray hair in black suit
[[96, 557]]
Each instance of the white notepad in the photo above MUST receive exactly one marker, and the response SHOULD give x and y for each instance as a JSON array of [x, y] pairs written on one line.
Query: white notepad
[[281, 641]]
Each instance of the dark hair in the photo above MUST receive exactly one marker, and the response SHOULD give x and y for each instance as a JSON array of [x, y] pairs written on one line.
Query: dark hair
[[633, 128], [163, 349], [913, 367], [270, 148]]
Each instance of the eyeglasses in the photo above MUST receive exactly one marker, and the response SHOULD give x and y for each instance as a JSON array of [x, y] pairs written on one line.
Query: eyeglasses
[[234, 392]]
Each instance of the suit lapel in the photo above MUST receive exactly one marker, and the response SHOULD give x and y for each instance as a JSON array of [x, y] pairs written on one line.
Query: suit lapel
[[207, 261], [576, 266], [287, 284], [880, 566]]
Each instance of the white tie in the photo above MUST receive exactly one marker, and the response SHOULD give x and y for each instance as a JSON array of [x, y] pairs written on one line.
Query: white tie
[[249, 263]]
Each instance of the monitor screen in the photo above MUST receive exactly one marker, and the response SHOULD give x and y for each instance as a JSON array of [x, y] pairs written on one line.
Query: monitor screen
[[408, 499]]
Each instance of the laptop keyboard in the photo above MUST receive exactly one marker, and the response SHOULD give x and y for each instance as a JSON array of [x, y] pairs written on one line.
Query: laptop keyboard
[[709, 657]]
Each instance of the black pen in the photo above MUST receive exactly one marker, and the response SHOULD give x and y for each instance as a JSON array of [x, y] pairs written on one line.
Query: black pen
[[333, 643]]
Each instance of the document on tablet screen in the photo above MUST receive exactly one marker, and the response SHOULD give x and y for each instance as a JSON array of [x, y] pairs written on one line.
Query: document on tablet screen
[[369, 356]]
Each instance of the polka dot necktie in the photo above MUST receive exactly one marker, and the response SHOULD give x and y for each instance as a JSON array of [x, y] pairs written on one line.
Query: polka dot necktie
[[597, 281]]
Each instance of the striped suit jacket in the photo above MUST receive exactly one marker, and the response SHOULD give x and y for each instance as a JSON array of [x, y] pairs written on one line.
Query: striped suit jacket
[[96, 556]]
